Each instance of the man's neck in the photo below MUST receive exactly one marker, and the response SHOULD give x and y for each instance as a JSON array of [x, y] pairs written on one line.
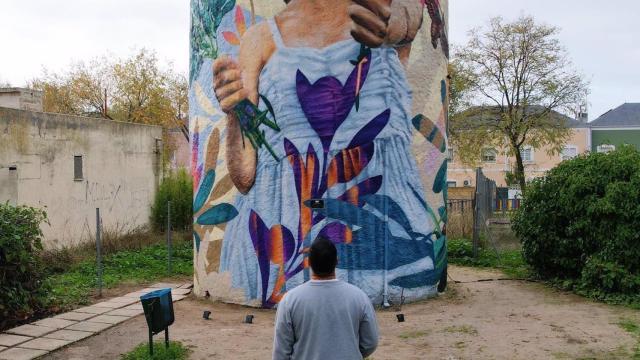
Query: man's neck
[[323, 278]]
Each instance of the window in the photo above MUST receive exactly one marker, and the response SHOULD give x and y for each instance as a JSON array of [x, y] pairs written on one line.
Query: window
[[568, 152], [489, 155], [527, 154], [77, 167], [450, 154], [605, 148], [451, 184]]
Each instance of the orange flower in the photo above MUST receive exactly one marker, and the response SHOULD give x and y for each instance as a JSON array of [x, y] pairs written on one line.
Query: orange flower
[[241, 27]]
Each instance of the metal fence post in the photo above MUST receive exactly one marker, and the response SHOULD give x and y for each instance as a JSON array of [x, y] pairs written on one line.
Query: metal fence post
[[476, 214], [169, 236], [99, 250]]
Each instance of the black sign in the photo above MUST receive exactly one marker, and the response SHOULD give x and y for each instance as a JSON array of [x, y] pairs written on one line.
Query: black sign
[[316, 203]]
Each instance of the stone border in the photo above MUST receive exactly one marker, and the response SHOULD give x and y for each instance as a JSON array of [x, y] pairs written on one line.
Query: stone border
[[39, 338]]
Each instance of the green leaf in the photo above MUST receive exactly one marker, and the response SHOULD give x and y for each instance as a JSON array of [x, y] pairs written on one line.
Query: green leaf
[[204, 190], [218, 214]]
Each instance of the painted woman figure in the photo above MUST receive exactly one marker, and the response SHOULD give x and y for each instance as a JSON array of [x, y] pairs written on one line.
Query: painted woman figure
[[330, 73]]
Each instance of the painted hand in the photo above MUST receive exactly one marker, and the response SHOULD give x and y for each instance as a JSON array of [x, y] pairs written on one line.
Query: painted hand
[[370, 21], [227, 83]]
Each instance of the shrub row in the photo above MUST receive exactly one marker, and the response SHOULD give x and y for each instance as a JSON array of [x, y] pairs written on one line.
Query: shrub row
[[581, 223]]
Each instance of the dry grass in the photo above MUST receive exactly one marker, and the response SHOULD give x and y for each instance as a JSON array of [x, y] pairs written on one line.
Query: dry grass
[[460, 224], [114, 239]]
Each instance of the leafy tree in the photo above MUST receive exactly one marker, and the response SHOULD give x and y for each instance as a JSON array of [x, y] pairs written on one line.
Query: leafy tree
[[519, 77], [459, 86], [135, 89]]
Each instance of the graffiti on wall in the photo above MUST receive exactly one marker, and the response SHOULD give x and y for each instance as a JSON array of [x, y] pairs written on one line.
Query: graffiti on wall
[[275, 126]]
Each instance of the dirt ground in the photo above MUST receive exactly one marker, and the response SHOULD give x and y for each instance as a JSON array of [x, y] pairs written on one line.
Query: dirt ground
[[472, 320]]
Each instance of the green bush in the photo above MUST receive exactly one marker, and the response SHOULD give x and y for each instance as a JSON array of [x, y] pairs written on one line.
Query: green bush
[[22, 290], [581, 222], [177, 188], [459, 249]]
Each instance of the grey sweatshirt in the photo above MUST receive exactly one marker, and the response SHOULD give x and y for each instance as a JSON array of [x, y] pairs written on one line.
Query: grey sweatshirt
[[325, 320]]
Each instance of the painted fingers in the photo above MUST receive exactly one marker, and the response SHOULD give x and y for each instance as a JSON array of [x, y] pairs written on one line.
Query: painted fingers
[[227, 83], [370, 21]]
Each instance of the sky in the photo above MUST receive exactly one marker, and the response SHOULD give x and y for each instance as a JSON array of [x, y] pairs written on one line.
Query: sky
[[602, 38]]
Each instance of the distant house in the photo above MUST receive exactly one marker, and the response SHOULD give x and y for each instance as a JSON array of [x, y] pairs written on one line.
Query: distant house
[[616, 127], [496, 164]]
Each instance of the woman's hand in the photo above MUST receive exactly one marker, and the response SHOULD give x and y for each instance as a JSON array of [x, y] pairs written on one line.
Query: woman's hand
[[385, 22], [227, 83], [370, 21]]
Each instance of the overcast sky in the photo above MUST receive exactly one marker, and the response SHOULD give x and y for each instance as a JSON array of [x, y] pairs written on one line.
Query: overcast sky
[[603, 38]]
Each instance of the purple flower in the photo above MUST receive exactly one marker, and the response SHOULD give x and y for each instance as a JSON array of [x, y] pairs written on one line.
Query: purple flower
[[327, 103]]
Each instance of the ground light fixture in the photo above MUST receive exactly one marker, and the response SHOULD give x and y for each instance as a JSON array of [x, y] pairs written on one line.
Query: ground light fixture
[[158, 311], [206, 314], [248, 319]]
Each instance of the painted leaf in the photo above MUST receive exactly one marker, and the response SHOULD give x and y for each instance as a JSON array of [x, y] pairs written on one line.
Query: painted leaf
[[430, 131], [281, 244], [260, 238], [369, 132], [213, 148], [393, 209], [240, 23], [196, 239], [218, 214], [355, 193], [222, 187], [231, 38], [442, 211], [337, 232], [204, 190], [363, 253], [440, 181], [349, 163]]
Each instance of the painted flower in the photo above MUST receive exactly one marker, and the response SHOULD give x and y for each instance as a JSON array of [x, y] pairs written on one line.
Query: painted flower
[[327, 103], [241, 27]]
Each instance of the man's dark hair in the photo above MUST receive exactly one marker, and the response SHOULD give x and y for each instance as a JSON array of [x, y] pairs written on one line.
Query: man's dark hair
[[323, 256]]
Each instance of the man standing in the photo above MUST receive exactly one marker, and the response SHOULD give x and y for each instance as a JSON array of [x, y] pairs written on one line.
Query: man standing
[[324, 318]]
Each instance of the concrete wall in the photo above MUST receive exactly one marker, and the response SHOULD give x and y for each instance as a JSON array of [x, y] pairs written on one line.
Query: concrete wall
[[496, 171], [120, 171], [244, 243], [21, 98]]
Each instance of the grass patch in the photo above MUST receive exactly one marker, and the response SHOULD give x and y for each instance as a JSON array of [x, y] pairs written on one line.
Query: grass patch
[[511, 262], [413, 334], [633, 328], [463, 329], [176, 351], [74, 286]]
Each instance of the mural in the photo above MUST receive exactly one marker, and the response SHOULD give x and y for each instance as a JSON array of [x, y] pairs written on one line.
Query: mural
[[281, 117]]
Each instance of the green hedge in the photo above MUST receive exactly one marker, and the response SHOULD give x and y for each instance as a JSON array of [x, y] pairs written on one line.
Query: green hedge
[[177, 187], [581, 223], [23, 292]]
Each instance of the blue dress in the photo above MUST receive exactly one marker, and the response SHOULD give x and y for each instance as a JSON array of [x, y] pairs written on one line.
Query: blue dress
[[344, 115]]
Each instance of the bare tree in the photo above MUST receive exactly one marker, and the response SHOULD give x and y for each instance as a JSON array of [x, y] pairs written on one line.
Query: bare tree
[[519, 77]]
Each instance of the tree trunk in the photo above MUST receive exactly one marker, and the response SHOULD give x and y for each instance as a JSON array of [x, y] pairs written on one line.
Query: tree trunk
[[519, 173]]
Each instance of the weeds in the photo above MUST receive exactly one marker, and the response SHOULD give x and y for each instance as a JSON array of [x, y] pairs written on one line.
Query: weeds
[[75, 286], [413, 334], [511, 262], [114, 239], [633, 328], [463, 329], [176, 351]]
